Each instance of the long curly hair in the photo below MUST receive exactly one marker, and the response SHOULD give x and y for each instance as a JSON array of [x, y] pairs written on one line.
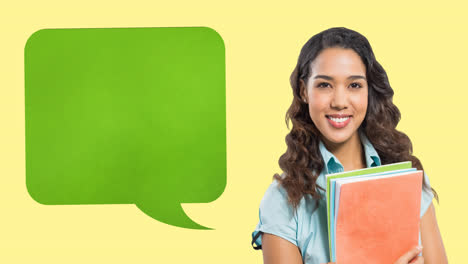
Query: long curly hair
[[302, 161]]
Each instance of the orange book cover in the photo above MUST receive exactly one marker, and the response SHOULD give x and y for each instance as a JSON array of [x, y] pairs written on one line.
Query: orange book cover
[[378, 219]]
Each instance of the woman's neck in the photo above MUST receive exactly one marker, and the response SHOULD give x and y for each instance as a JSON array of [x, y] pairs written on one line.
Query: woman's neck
[[350, 153]]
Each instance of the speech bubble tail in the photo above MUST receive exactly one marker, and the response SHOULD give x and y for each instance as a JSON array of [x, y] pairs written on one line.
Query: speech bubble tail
[[171, 214]]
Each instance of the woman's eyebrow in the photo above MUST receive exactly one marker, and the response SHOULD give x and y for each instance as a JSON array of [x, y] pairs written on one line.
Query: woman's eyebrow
[[352, 77]]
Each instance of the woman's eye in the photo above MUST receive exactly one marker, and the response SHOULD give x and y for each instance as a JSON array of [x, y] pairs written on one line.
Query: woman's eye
[[322, 85], [356, 85]]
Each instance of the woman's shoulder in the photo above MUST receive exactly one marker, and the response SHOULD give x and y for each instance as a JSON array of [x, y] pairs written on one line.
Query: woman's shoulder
[[275, 195], [276, 200], [426, 196]]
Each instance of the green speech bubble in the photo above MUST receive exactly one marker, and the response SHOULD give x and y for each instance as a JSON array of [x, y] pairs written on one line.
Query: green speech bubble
[[126, 116]]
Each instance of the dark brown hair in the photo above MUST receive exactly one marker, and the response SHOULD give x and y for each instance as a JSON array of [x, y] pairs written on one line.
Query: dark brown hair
[[302, 161]]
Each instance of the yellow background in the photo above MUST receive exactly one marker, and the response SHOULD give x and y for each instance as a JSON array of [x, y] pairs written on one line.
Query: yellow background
[[423, 46]]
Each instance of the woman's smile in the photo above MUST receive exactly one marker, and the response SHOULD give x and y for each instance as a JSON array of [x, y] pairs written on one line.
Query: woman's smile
[[339, 121]]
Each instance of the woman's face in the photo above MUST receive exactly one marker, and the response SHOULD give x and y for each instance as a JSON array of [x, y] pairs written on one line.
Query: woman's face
[[337, 94]]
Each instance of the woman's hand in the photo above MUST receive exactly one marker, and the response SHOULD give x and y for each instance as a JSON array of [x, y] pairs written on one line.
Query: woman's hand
[[411, 255]]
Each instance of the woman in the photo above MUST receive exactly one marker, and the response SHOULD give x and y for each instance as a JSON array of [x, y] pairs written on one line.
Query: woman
[[343, 119]]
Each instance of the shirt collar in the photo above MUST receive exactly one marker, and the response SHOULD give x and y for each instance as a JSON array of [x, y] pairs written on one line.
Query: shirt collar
[[372, 157], [333, 165]]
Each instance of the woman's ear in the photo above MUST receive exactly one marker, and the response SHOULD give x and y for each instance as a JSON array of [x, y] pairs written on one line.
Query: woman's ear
[[303, 89]]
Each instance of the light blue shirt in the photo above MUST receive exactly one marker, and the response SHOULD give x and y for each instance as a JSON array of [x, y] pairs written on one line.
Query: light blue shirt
[[308, 228]]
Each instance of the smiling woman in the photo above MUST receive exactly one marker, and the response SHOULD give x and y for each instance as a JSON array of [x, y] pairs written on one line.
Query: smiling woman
[[343, 119]]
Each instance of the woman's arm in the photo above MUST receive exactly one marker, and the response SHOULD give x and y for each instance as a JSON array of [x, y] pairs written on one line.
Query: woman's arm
[[433, 247], [277, 250]]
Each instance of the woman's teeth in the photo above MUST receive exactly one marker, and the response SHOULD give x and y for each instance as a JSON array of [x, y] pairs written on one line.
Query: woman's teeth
[[339, 120]]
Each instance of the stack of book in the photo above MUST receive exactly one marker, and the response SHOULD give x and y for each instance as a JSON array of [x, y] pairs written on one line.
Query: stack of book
[[373, 213]]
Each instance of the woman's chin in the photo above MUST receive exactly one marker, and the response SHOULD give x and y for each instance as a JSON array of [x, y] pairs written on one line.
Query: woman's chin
[[338, 139]]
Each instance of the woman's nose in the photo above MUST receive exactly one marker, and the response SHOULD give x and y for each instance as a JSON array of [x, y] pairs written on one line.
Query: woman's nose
[[340, 99]]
